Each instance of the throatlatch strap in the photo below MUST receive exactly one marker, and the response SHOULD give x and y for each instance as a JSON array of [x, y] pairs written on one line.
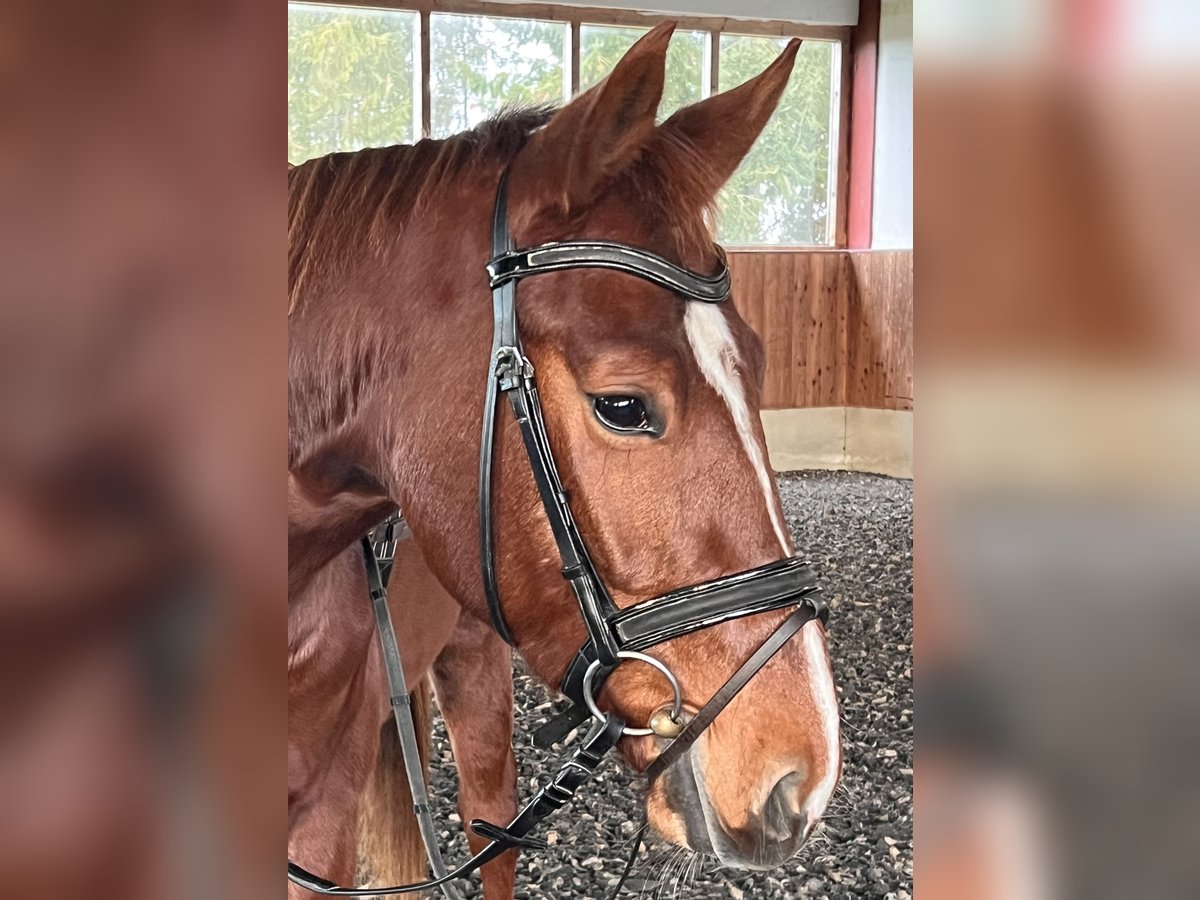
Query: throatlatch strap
[[505, 337]]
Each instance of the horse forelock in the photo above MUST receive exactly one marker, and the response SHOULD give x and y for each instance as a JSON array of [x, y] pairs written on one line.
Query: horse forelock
[[670, 177], [344, 205]]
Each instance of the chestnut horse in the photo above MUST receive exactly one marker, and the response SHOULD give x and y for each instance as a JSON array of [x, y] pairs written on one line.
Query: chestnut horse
[[390, 329]]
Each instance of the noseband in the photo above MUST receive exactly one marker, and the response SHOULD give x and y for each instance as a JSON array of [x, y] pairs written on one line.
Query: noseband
[[613, 635]]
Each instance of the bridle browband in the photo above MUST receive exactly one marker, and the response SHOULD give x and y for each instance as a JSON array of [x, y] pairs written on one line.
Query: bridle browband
[[517, 264], [613, 634]]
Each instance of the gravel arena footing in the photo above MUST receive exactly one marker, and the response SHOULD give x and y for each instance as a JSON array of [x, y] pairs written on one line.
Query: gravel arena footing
[[857, 531]]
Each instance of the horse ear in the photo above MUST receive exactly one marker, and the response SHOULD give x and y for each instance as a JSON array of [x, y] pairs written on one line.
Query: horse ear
[[710, 139], [602, 131]]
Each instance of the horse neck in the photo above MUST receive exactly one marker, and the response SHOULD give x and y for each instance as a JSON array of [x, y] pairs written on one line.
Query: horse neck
[[435, 398], [399, 352], [320, 527]]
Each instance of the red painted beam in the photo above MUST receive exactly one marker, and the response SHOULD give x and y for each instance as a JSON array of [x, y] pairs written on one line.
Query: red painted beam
[[864, 56]]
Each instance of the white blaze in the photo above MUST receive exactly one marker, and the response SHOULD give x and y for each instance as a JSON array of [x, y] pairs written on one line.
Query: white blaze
[[716, 355]]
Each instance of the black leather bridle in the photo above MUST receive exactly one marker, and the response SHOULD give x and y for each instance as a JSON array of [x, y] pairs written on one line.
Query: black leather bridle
[[613, 634]]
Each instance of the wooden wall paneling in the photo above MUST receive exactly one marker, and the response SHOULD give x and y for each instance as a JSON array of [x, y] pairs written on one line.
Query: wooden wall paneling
[[824, 353], [746, 270], [749, 297], [900, 332], [897, 328], [836, 327], [779, 301], [804, 289], [880, 345], [862, 354], [802, 293], [846, 285]]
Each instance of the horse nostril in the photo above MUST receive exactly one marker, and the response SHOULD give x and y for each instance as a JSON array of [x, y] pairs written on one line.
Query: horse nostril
[[781, 816]]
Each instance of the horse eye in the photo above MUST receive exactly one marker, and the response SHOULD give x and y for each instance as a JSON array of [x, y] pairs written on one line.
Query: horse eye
[[620, 413]]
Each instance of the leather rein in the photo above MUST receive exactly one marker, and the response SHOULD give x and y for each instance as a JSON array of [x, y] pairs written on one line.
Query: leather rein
[[613, 635]]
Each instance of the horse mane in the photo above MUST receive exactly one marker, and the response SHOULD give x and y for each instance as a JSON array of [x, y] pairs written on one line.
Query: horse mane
[[344, 205]]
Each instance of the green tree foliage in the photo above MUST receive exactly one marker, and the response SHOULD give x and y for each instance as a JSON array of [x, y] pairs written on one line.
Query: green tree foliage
[[600, 46], [350, 79], [780, 194], [480, 64]]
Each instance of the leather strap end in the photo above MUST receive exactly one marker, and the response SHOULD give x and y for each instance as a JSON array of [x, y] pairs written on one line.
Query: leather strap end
[[504, 836], [556, 729]]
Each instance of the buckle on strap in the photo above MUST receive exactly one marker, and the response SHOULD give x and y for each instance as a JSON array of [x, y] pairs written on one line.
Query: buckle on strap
[[511, 367], [820, 606], [572, 774]]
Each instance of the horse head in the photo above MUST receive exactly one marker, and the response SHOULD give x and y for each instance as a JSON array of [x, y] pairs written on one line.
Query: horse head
[[652, 406]]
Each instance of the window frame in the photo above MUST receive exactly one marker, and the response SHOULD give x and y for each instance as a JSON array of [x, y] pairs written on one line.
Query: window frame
[[714, 26]]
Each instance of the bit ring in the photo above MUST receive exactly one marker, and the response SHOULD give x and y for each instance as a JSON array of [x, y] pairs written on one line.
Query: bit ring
[[589, 678]]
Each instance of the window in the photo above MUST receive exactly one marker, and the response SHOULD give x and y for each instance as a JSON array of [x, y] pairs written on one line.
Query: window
[[480, 64], [355, 80], [783, 191], [600, 46], [350, 79]]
